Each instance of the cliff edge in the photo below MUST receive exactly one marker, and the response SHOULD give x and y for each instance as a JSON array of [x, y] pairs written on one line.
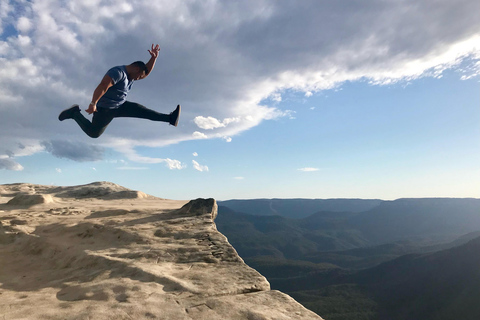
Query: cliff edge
[[101, 251]]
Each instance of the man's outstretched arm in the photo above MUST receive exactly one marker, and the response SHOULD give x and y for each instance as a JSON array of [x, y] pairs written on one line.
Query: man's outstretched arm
[[106, 83], [154, 55]]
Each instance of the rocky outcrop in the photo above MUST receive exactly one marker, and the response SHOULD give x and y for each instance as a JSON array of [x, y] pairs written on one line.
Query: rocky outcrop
[[97, 252], [30, 199]]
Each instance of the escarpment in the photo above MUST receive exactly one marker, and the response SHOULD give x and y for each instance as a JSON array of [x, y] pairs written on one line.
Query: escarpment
[[101, 251]]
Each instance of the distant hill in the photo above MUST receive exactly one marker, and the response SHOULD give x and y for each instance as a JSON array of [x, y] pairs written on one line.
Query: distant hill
[[281, 237], [354, 240], [362, 258], [298, 208], [430, 219], [402, 259], [439, 286]]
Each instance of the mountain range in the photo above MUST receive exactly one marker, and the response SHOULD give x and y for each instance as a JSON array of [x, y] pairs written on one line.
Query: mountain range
[[298, 208], [402, 259]]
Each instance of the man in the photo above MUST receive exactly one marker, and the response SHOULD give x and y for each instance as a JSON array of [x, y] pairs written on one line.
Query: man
[[109, 99]]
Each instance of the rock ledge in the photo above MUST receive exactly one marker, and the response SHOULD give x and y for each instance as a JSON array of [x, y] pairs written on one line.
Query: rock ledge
[[97, 252]]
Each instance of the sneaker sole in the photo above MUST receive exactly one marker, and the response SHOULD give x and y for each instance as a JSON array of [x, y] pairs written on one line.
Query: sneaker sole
[[178, 116]]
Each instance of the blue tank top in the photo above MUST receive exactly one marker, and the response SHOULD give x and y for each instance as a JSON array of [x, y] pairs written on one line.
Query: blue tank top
[[116, 95]]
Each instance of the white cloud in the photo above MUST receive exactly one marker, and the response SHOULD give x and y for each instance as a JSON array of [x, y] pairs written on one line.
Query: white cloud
[[199, 135], [24, 41], [277, 97], [217, 59], [195, 154], [308, 169], [24, 24], [174, 164], [128, 150], [199, 167], [58, 170], [227, 139], [209, 123]]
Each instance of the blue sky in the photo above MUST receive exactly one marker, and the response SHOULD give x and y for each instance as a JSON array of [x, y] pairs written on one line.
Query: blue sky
[[317, 100]]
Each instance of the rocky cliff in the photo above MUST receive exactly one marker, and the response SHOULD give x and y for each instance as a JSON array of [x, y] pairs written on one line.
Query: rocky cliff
[[101, 251]]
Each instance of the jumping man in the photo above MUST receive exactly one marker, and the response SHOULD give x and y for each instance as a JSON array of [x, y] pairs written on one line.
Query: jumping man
[[109, 99]]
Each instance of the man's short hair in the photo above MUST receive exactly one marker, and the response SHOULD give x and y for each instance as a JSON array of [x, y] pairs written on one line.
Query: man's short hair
[[141, 65]]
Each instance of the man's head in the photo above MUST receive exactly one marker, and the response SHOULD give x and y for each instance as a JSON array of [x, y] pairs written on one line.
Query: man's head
[[137, 70]]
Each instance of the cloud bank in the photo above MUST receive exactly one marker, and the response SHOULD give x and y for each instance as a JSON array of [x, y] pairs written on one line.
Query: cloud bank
[[77, 151], [10, 164], [221, 60]]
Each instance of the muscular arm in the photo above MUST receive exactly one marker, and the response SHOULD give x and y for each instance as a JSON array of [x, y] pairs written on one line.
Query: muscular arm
[[154, 55], [150, 64], [106, 83]]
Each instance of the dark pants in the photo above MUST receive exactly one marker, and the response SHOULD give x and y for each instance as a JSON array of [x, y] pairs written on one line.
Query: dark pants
[[102, 117]]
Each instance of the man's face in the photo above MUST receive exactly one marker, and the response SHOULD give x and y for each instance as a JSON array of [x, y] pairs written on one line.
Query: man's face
[[138, 74]]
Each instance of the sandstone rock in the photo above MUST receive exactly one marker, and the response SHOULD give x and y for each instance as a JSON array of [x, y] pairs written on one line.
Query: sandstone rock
[[30, 199], [126, 258]]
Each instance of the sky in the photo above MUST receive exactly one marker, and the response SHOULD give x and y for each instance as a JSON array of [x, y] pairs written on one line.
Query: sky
[[280, 99]]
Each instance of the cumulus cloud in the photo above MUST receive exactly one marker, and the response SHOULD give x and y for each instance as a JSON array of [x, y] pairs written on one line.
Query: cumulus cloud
[[209, 123], [174, 164], [195, 154], [222, 60], [199, 167], [24, 24], [74, 150], [199, 135]]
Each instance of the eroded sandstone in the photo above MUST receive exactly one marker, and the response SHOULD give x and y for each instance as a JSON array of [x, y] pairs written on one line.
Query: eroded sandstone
[[101, 251]]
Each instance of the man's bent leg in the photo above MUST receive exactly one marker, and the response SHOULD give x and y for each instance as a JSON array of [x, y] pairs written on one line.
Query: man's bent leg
[[136, 110], [100, 121]]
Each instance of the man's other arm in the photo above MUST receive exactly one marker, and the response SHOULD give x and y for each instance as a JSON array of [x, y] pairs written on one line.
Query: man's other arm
[[104, 85]]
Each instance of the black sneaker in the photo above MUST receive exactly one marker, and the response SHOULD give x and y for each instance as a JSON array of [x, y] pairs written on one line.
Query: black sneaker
[[69, 112], [174, 116]]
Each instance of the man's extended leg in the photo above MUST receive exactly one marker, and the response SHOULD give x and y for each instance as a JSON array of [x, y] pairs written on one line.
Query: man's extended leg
[[136, 110]]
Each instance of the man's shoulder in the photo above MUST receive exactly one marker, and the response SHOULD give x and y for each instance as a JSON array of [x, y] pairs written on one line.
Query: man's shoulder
[[118, 69], [117, 73]]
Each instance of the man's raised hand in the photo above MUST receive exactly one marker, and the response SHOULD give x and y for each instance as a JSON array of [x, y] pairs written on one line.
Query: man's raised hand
[[154, 51]]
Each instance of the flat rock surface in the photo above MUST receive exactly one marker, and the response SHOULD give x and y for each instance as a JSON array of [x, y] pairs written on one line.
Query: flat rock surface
[[101, 251]]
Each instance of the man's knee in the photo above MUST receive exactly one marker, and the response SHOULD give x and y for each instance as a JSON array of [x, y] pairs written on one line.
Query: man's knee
[[95, 134]]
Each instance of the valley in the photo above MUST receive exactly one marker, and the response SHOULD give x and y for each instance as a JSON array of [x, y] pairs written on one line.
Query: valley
[[402, 259]]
